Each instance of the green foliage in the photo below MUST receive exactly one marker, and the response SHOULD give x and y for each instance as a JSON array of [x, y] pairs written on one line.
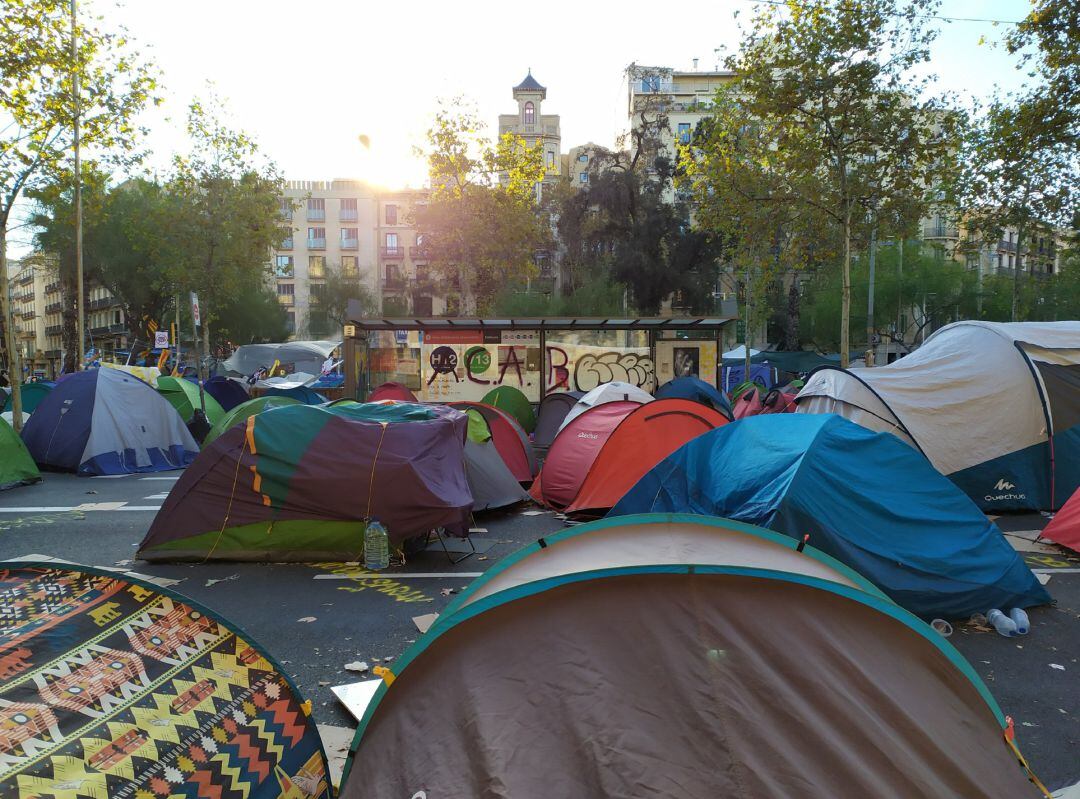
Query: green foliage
[[480, 233], [330, 302], [826, 131], [255, 316], [395, 306], [594, 296]]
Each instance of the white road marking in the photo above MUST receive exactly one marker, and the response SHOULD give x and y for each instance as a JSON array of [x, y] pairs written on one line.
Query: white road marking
[[1055, 571], [86, 507], [400, 576], [162, 495], [173, 479], [109, 476]]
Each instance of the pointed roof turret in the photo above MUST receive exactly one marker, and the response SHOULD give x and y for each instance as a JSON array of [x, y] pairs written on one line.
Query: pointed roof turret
[[530, 84]]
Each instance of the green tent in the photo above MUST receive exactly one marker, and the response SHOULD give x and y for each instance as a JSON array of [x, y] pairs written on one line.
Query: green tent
[[30, 394], [244, 410], [17, 468], [512, 401], [184, 396]]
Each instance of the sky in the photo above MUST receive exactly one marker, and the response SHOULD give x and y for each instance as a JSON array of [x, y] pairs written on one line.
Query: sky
[[307, 79]]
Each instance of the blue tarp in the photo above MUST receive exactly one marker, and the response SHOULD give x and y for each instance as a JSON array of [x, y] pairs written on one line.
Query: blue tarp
[[697, 390], [299, 393], [105, 421], [761, 373], [868, 499]]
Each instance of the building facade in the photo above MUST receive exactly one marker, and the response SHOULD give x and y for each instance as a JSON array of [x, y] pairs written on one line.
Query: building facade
[[331, 226], [535, 127], [406, 282]]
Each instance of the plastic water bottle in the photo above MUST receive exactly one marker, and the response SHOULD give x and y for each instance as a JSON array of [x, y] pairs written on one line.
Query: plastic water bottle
[[1020, 619], [376, 547], [1002, 623]]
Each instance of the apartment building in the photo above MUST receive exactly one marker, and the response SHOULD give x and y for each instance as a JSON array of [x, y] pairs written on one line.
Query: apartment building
[[532, 125], [331, 226], [406, 282], [29, 277]]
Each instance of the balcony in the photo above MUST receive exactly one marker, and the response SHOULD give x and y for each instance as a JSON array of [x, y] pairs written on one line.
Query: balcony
[[287, 299], [1007, 246], [51, 288], [25, 278], [27, 313], [348, 215], [100, 330], [419, 253], [316, 214], [103, 302], [317, 244], [118, 328], [286, 244], [394, 284], [940, 232], [285, 214], [53, 307], [52, 354], [52, 330], [350, 244], [392, 252]]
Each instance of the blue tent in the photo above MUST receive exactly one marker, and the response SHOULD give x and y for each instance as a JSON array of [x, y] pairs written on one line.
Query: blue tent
[[735, 375], [696, 390], [868, 499], [299, 393], [228, 392], [105, 421]]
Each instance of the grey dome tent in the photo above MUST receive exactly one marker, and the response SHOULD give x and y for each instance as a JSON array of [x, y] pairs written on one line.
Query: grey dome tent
[[680, 656], [491, 482]]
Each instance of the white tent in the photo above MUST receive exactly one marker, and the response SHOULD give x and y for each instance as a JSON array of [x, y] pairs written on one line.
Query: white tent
[[994, 406], [607, 392], [740, 353], [297, 356]]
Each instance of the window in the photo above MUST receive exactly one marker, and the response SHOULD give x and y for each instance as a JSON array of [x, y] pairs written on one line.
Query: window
[[684, 133], [349, 266], [650, 83], [393, 273], [316, 238], [316, 266], [391, 241], [290, 320], [349, 239], [583, 177], [286, 238], [286, 289], [529, 114], [286, 208], [583, 158], [391, 214], [116, 317], [317, 290], [316, 210], [550, 160], [347, 212], [283, 266]]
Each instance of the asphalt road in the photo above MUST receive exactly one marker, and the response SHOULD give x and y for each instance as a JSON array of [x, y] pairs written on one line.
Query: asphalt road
[[354, 621]]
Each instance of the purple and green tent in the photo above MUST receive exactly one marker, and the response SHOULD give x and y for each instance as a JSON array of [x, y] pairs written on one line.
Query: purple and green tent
[[302, 482]]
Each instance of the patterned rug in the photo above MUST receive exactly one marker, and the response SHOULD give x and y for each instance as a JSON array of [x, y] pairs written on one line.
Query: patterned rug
[[111, 689]]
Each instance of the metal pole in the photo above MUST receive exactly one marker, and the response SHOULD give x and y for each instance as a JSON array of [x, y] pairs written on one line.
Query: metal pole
[[900, 291], [746, 331], [80, 323], [870, 301], [177, 329]]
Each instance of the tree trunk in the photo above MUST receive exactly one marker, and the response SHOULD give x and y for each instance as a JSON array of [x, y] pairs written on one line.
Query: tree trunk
[[845, 294], [14, 368], [73, 352], [791, 329], [1016, 274], [206, 348]]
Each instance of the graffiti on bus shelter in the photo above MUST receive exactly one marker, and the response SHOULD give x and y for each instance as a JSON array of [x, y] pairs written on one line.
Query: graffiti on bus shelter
[[592, 366]]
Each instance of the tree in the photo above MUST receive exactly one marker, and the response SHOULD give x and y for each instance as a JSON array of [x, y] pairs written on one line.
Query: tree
[[845, 126], [227, 214], [255, 316], [594, 295], [330, 301], [481, 227], [39, 68]]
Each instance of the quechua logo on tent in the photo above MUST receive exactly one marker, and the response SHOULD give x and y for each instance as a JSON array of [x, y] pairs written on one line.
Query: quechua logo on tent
[[1002, 487]]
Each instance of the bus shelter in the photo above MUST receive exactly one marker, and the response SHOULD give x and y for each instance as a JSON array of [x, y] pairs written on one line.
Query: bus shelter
[[443, 359]]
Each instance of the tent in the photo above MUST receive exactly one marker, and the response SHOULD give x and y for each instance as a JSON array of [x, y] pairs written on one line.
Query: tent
[[549, 417], [739, 353], [615, 391], [682, 657], [509, 439], [574, 450], [299, 484], [184, 395], [244, 410], [31, 395], [865, 498], [1064, 528], [734, 374], [391, 391], [104, 421], [514, 402], [643, 438], [696, 389], [227, 391], [294, 356], [777, 401], [994, 406], [299, 393], [17, 468], [747, 403], [113, 686], [147, 374], [490, 480]]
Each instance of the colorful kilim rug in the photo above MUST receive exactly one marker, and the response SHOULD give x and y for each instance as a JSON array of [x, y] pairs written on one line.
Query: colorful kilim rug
[[112, 689]]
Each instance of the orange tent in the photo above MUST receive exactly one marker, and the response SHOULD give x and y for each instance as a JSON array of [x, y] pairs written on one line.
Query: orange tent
[[1064, 528], [642, 439]]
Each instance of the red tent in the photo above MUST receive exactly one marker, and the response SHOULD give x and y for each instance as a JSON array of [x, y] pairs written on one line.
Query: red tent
[[391, 391], [747, 404], [510, 440], [777, 401], [1064, 528], [643, 439], [573, 451]]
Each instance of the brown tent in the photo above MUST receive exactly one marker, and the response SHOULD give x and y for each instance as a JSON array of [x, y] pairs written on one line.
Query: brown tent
[[600, 662]]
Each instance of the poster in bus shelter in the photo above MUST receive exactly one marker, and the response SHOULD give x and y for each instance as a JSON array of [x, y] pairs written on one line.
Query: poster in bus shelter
[[460, 365]]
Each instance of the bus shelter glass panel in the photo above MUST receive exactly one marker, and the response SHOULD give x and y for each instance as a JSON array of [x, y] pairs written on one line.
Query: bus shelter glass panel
[[583, 360], [394, 356], [466, 364]]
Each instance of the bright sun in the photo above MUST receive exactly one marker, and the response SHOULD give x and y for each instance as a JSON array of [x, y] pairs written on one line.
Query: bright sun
[[389, 162]]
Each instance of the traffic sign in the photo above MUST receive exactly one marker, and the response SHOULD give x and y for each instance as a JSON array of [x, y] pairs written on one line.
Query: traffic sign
[[195, 309], [161, 340]]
